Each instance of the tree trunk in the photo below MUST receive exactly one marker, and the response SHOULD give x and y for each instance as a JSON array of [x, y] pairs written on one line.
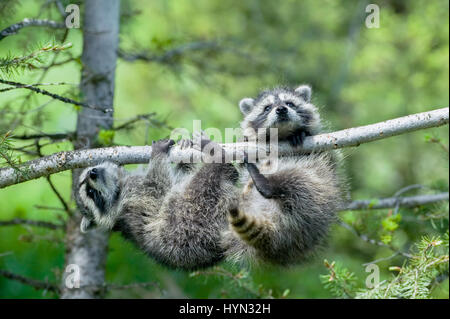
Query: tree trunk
[[100, 43]]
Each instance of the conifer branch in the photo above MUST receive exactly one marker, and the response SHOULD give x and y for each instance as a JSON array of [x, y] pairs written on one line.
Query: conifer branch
[[14, 28], [53, 95]]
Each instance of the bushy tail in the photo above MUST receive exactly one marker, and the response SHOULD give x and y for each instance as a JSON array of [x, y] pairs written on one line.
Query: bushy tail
[[250, 229]]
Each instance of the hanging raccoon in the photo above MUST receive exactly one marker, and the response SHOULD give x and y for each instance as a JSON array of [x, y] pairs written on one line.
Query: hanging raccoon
[[194, 216]]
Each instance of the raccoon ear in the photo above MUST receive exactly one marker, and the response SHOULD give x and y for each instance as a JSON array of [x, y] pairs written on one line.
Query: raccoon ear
[[304, 91], [86, 224], [246, 105]]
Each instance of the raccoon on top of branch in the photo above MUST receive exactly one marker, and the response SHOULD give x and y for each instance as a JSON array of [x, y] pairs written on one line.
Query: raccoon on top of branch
[[285, 208], [289, 111]]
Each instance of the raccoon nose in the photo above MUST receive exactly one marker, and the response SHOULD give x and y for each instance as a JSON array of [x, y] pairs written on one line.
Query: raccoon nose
[[93, 173], [281, 110]]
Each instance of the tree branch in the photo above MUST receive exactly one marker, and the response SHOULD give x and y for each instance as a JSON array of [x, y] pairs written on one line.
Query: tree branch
[[373, 241], [51, 136], [62, 161], [36, 284], [13, 29], [169, 55], [55, 96], [45, 285], [38, 223], [392, 202]]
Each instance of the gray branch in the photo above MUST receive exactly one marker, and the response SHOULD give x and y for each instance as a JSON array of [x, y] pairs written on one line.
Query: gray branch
[[38, 223], [54, 96], [62, 161], [13, 29], [392, 202], [36, 284], [169, 55]]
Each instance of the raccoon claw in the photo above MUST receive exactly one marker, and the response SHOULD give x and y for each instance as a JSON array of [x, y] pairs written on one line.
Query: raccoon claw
[[162, 146], [297, 139], [201, 139], [185, 144]]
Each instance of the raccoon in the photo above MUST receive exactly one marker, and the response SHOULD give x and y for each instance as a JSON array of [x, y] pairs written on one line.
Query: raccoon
[[174, 215], [283, 217], [194, 218]]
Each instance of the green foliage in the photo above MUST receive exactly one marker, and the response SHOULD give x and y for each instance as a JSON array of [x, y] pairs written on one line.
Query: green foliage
[[240, 284], [391, 222], [416, 279], [340, 282], [106, 137], [12, 65], [359, 76], [8, 8], [7, 155]]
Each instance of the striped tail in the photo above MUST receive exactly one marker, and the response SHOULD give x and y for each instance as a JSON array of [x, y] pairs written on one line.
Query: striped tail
[[249, 228]]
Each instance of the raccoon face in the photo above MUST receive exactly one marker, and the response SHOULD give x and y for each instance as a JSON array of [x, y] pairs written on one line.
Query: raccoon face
[[286, 109], [99, 190]]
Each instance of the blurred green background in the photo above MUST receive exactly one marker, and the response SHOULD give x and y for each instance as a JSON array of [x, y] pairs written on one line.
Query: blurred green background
[[359, 76]]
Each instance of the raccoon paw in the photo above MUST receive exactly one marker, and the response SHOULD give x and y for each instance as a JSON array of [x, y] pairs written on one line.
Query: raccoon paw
[[297, 139], [162, 146], [201, 140], [185, 143], [208, 147]]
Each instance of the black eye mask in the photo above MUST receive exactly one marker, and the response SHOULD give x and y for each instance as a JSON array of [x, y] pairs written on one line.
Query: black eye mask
[[96, 197]]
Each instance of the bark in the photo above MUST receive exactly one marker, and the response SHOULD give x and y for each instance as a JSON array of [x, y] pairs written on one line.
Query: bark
[[62, 161], [100, 43], [411, 201], [13, 29]]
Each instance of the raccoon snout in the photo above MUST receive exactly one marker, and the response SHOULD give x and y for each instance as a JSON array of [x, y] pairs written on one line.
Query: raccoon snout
[[93, 174], [281, 110]]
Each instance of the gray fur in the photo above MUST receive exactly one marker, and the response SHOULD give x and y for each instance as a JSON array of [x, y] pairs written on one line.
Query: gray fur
[[194, 217], [175, 216], [289, 221], [302, 114]]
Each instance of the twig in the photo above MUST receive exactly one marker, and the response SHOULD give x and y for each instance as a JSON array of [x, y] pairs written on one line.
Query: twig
[[36, 284], [55, 96], [382, 259], [72, 135], [439, 142], [412, 201], [68, 60], [38, 223], [52, 136], [13, 29], [169, 55], [372, 241], [44, 207], [25, 86]]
